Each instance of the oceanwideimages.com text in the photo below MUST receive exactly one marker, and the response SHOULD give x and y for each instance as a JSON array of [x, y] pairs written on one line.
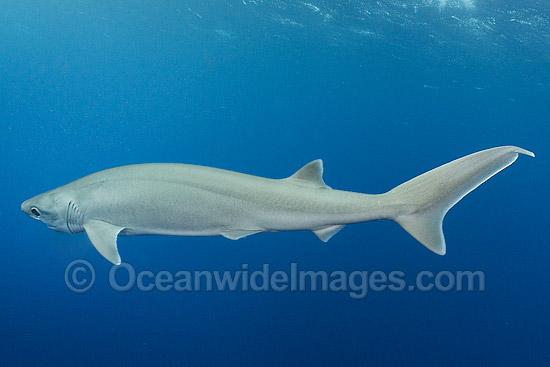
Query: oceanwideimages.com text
[[80, 277]]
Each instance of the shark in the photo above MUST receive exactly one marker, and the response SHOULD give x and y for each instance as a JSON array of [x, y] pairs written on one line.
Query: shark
[[191, 200]]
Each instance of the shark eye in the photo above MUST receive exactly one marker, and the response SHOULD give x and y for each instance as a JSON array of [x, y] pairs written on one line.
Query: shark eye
[[35, 212]]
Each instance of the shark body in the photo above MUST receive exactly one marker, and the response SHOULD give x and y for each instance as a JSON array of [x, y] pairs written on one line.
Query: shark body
[[189, 200]]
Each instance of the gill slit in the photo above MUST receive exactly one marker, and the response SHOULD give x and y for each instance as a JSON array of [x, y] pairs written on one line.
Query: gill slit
[[74, 219]]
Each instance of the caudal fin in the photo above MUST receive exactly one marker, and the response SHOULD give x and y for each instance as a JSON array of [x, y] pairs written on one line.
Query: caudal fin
[[424, 200]]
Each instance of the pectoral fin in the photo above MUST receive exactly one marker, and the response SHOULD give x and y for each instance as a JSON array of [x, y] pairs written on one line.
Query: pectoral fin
[[103, 236]]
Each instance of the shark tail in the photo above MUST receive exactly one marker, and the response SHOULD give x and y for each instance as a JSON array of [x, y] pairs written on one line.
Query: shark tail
[[424, 200]]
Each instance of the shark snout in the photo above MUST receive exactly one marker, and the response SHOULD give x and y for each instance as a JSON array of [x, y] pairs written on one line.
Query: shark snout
[[26, 207]]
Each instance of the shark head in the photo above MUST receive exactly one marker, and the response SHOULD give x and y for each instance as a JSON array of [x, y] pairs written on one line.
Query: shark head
[[51, 208]]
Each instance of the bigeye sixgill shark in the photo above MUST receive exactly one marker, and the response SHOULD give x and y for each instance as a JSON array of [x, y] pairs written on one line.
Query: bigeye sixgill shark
[[189, 200]]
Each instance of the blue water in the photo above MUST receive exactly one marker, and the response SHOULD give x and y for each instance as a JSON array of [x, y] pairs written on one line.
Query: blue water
[[381, 91]]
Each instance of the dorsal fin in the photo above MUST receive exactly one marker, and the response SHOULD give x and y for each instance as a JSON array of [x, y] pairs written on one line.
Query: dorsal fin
[[310, 175]]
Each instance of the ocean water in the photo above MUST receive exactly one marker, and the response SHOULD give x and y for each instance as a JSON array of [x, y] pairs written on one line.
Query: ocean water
[[380, 90]]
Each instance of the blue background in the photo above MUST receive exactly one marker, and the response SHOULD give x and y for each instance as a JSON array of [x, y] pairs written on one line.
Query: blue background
[[381, 91]]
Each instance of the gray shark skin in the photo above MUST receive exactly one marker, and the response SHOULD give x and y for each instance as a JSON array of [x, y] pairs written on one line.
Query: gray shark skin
[[189, 200]]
